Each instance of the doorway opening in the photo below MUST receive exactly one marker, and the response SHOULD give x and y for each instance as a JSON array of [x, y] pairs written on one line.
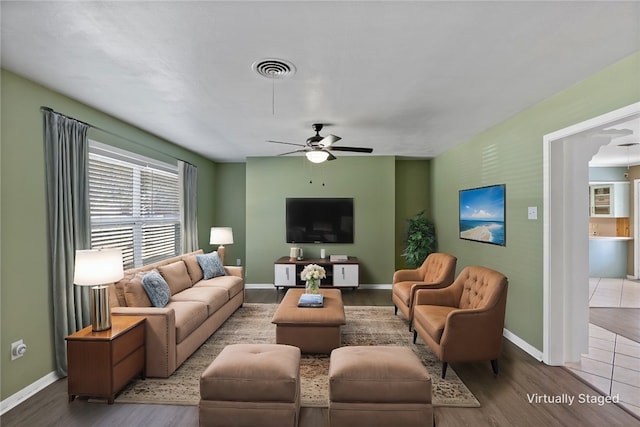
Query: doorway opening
[[566, 155]]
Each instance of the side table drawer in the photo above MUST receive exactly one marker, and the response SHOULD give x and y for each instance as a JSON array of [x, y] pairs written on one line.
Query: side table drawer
[[128, 368], [125, 344]]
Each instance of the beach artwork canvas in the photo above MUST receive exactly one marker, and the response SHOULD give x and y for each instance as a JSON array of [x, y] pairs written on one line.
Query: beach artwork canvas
[[482, 212]]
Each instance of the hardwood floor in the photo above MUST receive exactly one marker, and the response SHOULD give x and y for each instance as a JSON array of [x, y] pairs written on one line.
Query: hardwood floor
[[504, 399]]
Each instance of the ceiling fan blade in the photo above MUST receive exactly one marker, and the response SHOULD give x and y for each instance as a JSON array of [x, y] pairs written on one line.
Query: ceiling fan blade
[[331, 157], [288, 143], [291, 152], [353, 149], [328, 140]]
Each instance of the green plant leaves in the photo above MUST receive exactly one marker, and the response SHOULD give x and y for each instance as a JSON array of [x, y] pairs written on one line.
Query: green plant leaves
[[421, 240]]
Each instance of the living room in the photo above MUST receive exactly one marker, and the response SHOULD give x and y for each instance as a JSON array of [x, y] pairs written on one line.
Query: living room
[[249, 197]]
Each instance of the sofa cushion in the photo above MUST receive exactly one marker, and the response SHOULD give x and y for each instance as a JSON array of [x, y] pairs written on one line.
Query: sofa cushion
[[176, 276], [189, 316], [232, 284], [214, 298], [432, 318], [156, 288], [134, 293], [211, 265], [193, 268]]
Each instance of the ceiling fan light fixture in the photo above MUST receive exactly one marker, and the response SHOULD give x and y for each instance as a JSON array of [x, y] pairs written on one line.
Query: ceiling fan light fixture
[[317, 156]]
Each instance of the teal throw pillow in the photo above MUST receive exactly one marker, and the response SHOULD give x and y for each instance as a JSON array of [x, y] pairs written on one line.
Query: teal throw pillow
[[211, 265], [156, 288]]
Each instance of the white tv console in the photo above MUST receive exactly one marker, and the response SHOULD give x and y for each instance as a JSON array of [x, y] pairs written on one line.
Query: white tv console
[[340, 274]]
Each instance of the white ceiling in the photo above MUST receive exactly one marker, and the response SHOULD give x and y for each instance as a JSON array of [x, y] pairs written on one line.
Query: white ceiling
[[406, 78], [620, 143]]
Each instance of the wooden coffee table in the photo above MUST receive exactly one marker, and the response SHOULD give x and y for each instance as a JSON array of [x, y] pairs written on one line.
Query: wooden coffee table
[[312, 330]]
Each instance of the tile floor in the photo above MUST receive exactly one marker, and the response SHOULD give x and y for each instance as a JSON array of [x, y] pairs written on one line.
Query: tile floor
[[613, 362]]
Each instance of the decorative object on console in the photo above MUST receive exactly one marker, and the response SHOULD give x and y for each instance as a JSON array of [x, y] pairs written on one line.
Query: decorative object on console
[[482, 214], [312, 274], [296, 253], [221, 236], [98, 268]]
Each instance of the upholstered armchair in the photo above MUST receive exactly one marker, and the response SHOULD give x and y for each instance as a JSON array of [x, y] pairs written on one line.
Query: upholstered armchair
[[437, 271], [463, 322]]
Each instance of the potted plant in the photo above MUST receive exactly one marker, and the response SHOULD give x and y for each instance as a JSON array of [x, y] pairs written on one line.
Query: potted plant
[[421, 240]]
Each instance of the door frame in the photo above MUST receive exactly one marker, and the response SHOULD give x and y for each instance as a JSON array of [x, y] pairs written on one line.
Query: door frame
[[565, 239]]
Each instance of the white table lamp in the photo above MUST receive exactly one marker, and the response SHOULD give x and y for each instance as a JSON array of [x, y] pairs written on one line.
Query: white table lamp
[[221, 236], [98, 268]]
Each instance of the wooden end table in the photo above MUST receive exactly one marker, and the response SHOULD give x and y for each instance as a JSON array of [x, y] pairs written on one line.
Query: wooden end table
[[100, 364]]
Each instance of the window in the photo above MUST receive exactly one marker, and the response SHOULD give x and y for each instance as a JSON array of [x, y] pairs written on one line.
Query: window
[[134, 204]]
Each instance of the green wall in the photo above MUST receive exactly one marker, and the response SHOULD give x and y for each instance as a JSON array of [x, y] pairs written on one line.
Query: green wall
[[511, 154], [25, 304], [412, 197], [230, 209], [369, 180]]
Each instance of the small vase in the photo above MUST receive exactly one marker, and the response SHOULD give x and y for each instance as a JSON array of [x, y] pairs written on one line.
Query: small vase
[[312, 287]]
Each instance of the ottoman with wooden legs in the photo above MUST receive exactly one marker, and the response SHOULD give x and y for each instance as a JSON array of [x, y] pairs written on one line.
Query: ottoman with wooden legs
[[250, 385], [375, 386]]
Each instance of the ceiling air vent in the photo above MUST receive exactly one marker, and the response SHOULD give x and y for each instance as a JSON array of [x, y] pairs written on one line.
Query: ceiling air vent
[[272, 68]]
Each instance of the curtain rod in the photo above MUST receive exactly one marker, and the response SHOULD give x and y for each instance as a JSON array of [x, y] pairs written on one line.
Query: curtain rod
[[51, 110]]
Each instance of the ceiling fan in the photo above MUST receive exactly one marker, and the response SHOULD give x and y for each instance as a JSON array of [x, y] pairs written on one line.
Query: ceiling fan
[[318, 148]]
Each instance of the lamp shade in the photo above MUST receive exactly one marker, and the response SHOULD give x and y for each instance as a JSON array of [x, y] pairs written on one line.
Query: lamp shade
[[221, 236], [317, 156], [97, 267]]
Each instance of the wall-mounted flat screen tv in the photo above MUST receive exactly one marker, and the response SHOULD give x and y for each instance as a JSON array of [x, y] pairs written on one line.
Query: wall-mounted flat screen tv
[[319, 220], [482, 214]]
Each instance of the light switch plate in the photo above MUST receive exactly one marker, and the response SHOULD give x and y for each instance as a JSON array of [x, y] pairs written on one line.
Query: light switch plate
[[532, 212]]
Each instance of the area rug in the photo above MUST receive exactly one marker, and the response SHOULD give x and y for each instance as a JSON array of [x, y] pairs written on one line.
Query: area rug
[[252, 324]]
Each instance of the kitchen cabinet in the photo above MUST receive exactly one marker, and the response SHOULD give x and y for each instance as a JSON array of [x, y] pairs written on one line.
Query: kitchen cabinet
[[608, 256], [609, 200]]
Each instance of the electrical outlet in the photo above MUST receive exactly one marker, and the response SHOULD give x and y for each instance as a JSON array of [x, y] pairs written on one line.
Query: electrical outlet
[[18, 349], [532, 212], [238, 261]]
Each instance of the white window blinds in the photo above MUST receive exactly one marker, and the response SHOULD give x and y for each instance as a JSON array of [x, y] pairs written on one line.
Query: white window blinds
[[134, 204]]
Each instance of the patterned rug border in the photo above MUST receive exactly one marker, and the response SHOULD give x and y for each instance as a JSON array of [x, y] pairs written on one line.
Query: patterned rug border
[[365, 325]]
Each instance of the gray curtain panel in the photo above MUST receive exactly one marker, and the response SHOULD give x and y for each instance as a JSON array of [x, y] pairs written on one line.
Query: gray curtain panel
[[189, 208], [66, 154]]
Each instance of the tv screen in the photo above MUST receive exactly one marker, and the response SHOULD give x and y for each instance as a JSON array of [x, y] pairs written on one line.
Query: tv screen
[[319, 220], [482, 214]]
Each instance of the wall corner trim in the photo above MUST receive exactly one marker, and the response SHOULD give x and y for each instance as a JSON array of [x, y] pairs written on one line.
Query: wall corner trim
[[523, 345]]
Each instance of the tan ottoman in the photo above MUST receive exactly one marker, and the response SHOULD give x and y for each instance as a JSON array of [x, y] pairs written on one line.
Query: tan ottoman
[[250, 385], [373, 386], [312, 330]]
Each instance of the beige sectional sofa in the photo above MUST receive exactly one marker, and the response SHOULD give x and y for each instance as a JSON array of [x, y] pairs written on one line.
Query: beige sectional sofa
[[196, 309]]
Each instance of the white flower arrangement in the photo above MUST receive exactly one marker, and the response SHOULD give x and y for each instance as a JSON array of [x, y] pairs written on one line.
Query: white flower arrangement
[[312, 273]]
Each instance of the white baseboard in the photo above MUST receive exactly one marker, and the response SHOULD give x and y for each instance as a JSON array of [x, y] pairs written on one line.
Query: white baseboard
[[22, 395], [525, 346], [376, 286], [259, 286]]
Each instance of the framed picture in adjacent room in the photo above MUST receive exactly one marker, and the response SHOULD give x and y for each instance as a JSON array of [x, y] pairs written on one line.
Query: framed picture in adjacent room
[[482, 214]]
